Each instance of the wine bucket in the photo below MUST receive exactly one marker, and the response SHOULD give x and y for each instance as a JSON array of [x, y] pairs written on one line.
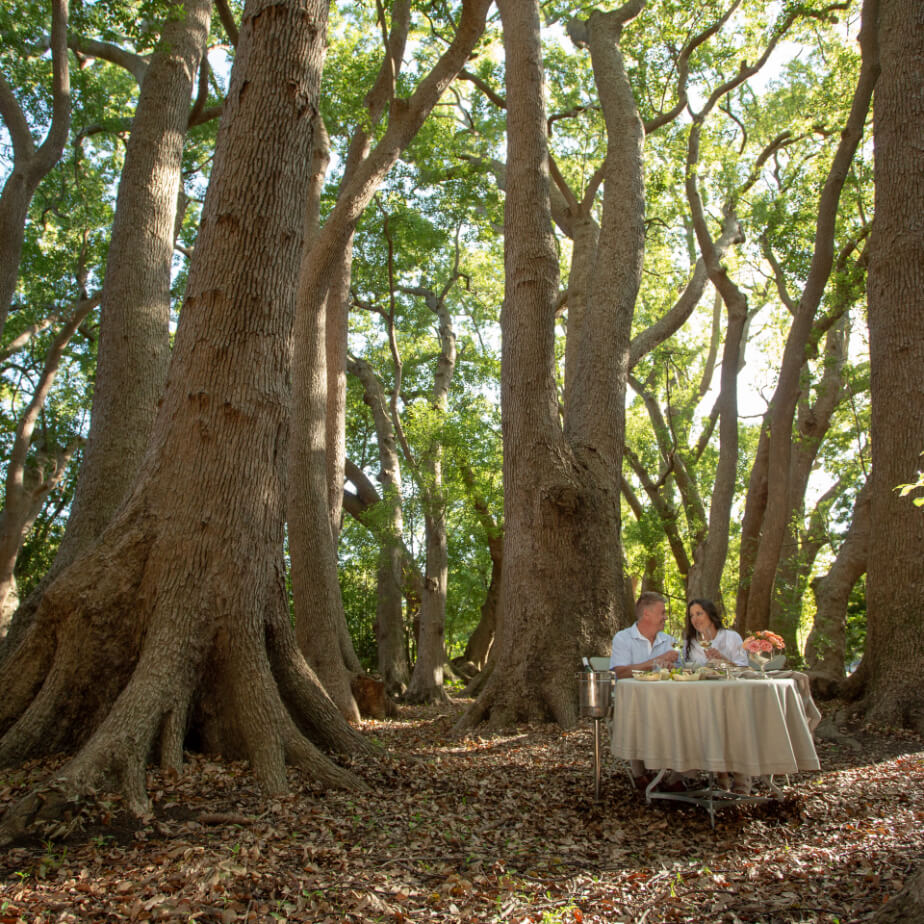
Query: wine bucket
[[595, 690]]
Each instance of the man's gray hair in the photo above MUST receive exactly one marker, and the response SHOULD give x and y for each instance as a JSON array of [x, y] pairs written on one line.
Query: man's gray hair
[[647, 598]]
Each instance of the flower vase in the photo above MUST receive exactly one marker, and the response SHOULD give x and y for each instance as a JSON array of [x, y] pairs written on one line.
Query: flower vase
[[758, 660]]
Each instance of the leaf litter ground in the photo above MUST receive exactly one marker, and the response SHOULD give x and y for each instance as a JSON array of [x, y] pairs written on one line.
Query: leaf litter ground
[[491, 828]]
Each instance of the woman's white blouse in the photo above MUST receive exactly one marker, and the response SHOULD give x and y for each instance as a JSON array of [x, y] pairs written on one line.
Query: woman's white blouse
[[727, 641]]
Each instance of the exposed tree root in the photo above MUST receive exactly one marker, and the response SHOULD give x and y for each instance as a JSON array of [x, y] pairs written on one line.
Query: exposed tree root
[[239, 679]]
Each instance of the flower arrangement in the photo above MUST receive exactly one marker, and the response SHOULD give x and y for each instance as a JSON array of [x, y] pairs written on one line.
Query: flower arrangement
[[760, 648], [763, 642]]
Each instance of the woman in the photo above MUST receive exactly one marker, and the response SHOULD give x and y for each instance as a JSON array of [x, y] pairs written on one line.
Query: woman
[[706, 639]]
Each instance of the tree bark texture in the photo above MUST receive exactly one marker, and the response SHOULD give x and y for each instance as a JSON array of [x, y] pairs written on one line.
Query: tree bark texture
[[826, 644], [427, 677], [895, 578], [312, 547], [389, 616], [28, 486], [562, 590], [30, 164], [134, 347], [325, 274], [761, 577], [178, 614]]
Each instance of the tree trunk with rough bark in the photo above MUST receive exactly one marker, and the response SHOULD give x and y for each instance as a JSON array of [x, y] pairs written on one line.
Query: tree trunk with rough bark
[[30, 164], [890, 675], [760, 578], [427, 677], [325, 277], [312, 545], [826, 645], [563, 580], [177, 616], [134, 345], [389, 617], [28, 486]]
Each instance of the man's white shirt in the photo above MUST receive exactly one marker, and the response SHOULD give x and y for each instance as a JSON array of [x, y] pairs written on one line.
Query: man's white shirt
[[631, 647]]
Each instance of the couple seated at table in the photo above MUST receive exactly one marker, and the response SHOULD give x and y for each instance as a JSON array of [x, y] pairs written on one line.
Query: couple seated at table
[[646, 646]]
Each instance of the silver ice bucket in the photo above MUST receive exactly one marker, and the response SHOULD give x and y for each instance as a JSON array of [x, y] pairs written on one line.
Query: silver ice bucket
[[595, 689]]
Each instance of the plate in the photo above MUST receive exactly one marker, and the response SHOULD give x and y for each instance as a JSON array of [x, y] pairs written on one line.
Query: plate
[[646, 675]]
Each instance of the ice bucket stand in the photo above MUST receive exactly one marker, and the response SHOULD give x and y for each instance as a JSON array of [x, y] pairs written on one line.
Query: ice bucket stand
[[595, 689]]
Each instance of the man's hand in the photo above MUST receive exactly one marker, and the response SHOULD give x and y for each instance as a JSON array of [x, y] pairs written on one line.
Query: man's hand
[[665, 660]]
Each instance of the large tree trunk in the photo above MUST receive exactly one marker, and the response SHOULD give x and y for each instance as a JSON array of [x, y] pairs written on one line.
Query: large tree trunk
[[134, 346], [312, 546], [325, 274], [761, 578], [891, 666], [389, 617], [30, 164], [320, 622], [427, 678], [27, 487], [798, 550], [562, 590], [826, 644], [178, 613], [312, 549]]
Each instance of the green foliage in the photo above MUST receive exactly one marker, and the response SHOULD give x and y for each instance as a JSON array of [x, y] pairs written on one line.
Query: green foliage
[[905, 489], [358, 589], [765, 150]]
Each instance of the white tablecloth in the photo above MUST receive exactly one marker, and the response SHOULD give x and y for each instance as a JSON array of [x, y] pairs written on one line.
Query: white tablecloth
[[755, 727]]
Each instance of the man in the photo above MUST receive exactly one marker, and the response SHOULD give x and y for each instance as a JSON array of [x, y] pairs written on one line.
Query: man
[[643, 647]]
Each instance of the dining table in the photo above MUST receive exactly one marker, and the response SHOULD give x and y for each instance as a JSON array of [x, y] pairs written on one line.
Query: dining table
[[756, 725]]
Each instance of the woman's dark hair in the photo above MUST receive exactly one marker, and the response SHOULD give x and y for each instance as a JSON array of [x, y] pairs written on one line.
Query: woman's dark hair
[[689, 633]]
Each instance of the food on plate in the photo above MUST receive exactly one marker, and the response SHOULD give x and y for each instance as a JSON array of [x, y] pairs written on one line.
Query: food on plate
[[684, 675], [648, 675], [710, 673]]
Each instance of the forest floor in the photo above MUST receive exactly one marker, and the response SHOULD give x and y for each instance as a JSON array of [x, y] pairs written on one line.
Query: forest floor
[[492, 828]]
